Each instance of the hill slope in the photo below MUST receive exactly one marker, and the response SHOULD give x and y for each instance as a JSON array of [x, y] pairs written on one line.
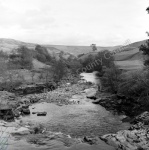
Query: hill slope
[[126, 57], [8, 44]]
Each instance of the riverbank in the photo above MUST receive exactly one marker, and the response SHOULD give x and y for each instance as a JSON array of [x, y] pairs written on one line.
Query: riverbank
[[70, 112]]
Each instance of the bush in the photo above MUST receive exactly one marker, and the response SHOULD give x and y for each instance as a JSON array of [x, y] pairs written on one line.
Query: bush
[[42, 54], [135, 85], [9, 86], [111, 79]]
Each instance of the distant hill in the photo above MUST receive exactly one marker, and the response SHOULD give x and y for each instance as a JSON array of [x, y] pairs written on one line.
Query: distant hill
[[126, 57], [8, 44], [76, 50]]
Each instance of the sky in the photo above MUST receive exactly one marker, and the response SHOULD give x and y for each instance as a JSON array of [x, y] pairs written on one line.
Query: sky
[[74, 22]]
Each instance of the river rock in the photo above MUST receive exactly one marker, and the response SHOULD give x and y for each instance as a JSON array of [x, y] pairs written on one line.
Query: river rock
[[144, 118], [128, 140], [91, 93], [16, 113], [21, 131], [25, 111], [90, 141], [96, 101]]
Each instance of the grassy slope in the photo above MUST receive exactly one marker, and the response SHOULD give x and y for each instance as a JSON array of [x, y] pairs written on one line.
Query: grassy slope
[[129, 59], [9, 44], [132, 59]]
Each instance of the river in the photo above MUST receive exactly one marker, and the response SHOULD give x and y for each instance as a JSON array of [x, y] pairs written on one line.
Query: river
[[77, 120]]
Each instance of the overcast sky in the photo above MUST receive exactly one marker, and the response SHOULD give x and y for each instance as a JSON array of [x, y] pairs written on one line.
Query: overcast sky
[[74, 22]]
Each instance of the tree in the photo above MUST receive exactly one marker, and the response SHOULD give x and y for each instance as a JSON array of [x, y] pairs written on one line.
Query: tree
[[95, 62], [21, 58], [42, 54], [94, 48], [73, 65], [145, 49], [111, 79], [59, 70]]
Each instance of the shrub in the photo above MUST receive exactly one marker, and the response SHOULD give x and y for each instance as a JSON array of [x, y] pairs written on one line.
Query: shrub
[[111, 79], [136, 85]]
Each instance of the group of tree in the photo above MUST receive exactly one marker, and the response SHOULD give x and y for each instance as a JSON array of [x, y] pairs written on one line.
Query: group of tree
[[132, 84], [96, 62], [21, 58]]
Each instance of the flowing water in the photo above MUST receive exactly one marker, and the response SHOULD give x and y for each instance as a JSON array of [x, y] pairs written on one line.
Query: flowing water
[[85, 119], [79, 120]]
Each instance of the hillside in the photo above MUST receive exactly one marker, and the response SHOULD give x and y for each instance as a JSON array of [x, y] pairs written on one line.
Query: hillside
[[76, 50], [130, 58], [126, 57], [8, 44]]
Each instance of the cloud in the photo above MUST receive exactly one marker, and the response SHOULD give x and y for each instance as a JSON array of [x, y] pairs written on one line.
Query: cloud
[[74, 22]]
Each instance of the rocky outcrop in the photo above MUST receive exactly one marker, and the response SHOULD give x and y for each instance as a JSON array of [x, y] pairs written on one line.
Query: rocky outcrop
[[135, 138]]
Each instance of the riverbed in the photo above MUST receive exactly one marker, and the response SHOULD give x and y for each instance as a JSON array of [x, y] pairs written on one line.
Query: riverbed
[[75, 121], [79, 120]]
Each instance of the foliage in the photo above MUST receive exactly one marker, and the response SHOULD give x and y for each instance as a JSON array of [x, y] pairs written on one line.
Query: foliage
[[111, 79], [9, 86], [96, 63], [80, 55], [145, 49], [42, 54], [73, 65], [21, 58], [136, 84], [59, 70], [3, 55], [94, 48]]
